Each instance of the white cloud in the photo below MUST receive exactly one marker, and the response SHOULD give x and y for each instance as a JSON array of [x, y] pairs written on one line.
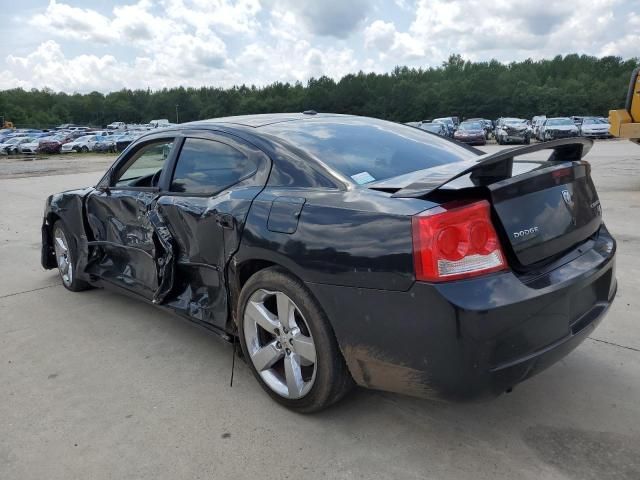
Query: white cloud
[[47, 66], [163, 43], [391, 43], [72, 22], [227, 17]]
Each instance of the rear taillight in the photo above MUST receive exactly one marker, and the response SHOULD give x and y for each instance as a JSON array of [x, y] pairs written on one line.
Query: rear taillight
[[455, 241]]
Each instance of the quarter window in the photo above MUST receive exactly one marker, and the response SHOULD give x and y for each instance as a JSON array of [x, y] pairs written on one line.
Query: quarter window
[[207, 166]]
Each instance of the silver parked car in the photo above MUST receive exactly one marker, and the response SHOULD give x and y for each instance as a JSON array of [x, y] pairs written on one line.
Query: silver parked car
[[595, 127], [558, 127]]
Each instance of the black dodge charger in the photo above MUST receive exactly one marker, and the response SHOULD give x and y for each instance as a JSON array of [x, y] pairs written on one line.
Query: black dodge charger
[[342, 250]]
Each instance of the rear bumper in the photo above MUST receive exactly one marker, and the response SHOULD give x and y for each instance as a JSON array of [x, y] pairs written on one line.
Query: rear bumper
[[475, 338]]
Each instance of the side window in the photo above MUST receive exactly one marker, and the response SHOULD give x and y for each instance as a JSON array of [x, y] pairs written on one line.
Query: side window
[[144, 167], [207, 166]]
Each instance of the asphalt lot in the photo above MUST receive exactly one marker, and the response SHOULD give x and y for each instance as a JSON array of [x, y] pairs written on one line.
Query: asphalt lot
[[96, 385]]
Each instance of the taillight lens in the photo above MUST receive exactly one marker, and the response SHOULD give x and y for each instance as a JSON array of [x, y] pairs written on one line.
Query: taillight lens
[[455, 241]]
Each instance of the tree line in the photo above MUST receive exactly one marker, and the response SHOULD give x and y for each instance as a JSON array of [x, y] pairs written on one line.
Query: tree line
[[565, 85]]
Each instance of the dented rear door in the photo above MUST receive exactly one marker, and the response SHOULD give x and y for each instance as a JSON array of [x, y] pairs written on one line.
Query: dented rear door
[[214, 181]]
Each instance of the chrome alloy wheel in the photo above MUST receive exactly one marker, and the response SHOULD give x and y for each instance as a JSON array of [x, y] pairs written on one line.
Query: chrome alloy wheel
[[280, 343], [63, 256]]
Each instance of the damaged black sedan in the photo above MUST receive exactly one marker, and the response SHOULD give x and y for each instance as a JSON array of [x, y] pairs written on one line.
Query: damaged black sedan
[[345, 250]]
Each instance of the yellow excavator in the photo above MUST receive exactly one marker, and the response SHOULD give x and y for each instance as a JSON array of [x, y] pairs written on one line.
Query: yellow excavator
[[625, 123]]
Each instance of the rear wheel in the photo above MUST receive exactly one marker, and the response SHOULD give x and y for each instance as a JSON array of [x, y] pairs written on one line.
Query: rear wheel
[[84, 149], [289, 343], [66, 257]]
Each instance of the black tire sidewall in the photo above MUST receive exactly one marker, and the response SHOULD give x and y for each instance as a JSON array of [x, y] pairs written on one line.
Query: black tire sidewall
[[330, 365]]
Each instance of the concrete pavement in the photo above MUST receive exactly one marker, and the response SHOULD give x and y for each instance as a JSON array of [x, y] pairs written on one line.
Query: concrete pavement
[[98, 386]]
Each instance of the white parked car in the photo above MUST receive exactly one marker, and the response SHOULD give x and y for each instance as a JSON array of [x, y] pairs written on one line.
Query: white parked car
[[558, 127], [161, 123], [82, 144], [11, 145], [595, 127], [117, 126], [536, 123], [29, 147]]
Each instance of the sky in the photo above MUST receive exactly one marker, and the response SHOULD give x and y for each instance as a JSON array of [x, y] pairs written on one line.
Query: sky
[[86, 45]]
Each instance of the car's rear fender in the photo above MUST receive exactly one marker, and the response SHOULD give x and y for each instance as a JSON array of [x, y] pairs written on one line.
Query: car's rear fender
[[358, 237]]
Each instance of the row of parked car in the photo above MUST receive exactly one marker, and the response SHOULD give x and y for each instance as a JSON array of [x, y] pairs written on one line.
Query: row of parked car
[[34, 141], [476, 131], [70, 138]]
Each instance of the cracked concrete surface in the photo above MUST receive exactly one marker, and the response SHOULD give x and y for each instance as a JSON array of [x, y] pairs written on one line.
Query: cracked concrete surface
[[98, 386]]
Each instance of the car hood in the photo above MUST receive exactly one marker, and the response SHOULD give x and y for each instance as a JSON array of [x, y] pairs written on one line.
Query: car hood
[[562, 127], [470, 132]]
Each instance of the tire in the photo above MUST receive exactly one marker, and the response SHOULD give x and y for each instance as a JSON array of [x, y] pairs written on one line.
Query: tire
[[66, 269], [320, 383], [84, 149], [527, 140]]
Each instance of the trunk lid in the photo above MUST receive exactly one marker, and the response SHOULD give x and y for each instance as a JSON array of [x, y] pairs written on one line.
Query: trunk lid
[[542, 208], [547, 211]]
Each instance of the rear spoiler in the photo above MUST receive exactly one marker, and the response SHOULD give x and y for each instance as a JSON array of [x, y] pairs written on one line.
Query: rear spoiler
[[493, 166]]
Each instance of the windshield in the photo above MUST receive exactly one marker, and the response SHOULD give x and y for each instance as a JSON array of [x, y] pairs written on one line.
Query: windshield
[[560, 121], [470, 126], [594, 121], [432, 127], [86, 138], [14, 140], [514, 121], [447, 121], [367, 150]]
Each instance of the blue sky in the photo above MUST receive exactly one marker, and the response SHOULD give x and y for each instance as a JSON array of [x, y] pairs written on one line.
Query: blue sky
[[85, 45]]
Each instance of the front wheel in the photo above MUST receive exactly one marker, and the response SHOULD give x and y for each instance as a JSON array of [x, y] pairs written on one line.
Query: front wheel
[[66, 257], [289, 344]]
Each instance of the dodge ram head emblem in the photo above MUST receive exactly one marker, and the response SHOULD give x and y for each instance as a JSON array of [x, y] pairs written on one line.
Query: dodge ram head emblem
[[568, 198]]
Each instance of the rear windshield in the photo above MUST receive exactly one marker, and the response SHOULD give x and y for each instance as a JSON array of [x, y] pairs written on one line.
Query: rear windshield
[[366, 149]]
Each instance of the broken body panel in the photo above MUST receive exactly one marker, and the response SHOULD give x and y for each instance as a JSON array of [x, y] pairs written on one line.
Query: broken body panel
[[352, 248]]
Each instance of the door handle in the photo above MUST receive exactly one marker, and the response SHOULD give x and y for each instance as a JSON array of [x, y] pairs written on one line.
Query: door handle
[[225, 220]]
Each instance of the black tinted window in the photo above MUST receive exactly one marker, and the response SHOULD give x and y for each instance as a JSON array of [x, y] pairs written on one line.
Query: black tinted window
[[367, 150], [205, 166]]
